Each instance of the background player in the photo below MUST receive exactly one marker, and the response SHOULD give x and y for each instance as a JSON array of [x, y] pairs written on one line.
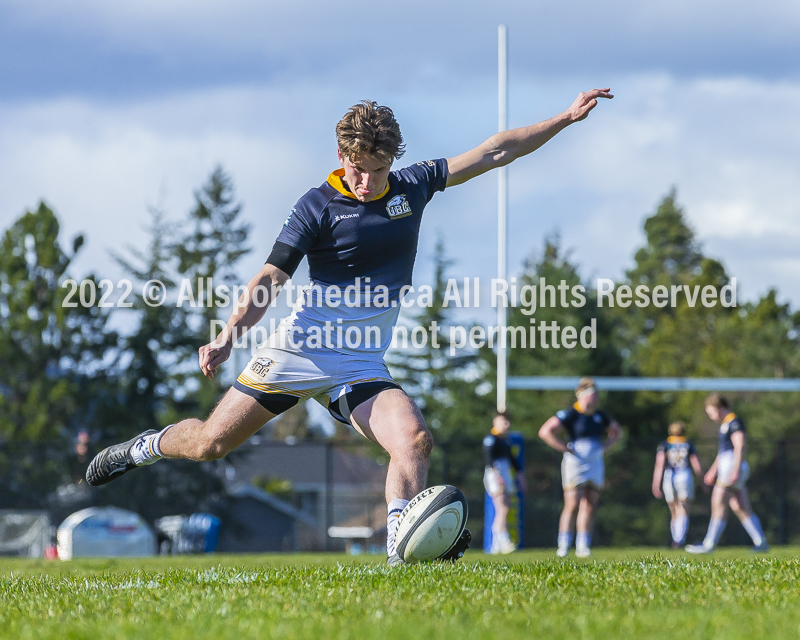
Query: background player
[[362, 223], [589, 432], [676, 458], [501, 477], [730, 471]]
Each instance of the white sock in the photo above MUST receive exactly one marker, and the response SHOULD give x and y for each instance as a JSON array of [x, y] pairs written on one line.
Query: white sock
[[679, 527], [147, 449], [395, 509], [564, 539], [672, 530], [753, 527], [583, 540], [715, 529]]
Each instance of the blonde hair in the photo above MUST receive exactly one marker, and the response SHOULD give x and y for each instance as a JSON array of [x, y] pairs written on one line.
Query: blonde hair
[[717, 401], [370, 129], [585, 384], [677, 429]]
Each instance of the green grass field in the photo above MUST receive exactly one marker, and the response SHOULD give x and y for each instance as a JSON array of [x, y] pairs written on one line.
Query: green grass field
[[635, 593]]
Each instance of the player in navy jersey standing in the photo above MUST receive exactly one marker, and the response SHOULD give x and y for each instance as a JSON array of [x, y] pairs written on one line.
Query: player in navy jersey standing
[[676, 458], [589, 432], [361, 224], [728, 474], [501, 477]]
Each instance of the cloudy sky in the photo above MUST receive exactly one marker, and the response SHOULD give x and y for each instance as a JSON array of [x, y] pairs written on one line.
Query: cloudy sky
[[108, 108]]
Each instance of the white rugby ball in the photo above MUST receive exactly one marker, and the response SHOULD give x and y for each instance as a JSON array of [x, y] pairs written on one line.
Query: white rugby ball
[[431, 524]]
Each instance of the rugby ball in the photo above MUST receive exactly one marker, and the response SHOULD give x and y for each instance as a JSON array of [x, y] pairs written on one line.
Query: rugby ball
[[431, 524]]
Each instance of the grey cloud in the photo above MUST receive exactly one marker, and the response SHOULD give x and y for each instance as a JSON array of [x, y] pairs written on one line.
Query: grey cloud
[[118, 51]]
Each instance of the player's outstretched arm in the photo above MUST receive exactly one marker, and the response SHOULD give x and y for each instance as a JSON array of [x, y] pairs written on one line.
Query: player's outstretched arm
[[506, 146], [249, 309]]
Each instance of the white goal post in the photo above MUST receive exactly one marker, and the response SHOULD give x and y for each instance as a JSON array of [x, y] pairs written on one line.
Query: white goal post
[[610, 383]]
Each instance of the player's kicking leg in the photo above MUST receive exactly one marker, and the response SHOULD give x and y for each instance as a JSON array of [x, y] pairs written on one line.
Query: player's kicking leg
[[392, 420], [237, 417]]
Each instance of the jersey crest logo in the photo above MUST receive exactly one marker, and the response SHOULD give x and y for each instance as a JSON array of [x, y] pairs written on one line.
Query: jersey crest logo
[[261, 366], [398, 207]]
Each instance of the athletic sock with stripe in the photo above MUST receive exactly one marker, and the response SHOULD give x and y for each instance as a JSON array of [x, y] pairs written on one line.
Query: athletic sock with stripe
[[392, 520], [147, 449]]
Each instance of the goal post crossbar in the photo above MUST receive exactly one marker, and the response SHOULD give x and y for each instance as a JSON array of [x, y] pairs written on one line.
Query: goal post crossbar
[[612, 383]]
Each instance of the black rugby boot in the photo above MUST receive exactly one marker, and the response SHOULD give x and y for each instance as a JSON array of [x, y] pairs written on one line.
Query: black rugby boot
[[459, 548], [113, 462]]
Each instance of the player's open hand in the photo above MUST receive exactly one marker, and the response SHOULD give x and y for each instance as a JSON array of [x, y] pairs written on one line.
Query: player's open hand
[[585, 102], [657, 492], [214, 354]]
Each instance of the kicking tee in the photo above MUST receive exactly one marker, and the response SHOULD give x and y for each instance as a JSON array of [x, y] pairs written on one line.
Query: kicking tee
[[360, 257], [676, 452]]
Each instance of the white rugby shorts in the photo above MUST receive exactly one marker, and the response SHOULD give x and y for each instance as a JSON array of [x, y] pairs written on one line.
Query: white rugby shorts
[[678, 484], [584, 465], [497, 479], [280, 378], [725, 469]]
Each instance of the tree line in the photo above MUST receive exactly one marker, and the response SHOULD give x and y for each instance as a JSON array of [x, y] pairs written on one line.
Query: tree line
[[755, 338], [71, 383]]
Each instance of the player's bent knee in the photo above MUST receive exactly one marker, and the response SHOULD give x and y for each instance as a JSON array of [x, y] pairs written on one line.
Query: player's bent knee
[[423, 443]]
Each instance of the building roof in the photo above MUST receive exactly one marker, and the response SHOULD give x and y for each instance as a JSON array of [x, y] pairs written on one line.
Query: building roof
[[249, 491], [303, 463]]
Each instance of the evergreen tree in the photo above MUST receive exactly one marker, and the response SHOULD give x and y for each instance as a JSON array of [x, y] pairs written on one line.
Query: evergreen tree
[[208, 252], [446, 386], [153, 391], [544, 275], [51, 347]]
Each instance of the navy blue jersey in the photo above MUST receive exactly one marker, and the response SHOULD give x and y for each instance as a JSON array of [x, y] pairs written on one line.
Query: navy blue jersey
[[676, 451], [584, 425], [730, 425], [497, 448], [346, 239], [368, 247]]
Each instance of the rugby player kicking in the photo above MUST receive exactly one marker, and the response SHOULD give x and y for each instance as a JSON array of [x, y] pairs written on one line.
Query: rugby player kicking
[[361, 224], [729, 473]]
